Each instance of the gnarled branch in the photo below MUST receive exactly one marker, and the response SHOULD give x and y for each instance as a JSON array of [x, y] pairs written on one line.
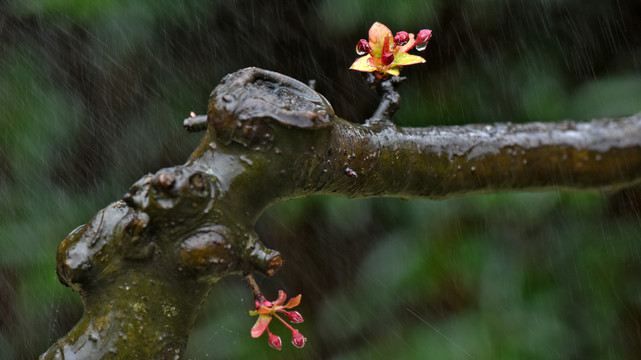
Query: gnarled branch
[[144, 264]]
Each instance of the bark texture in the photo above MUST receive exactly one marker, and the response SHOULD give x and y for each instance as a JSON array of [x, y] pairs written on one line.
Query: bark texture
[[145, 263]]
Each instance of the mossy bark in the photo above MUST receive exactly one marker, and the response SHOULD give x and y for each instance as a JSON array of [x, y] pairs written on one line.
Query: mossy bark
[[144, 264]]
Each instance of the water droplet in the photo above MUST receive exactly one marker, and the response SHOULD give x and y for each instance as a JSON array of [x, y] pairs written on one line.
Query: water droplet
[[246, 160], [421, 46], [93, 337], [359, 51], [351, 173]]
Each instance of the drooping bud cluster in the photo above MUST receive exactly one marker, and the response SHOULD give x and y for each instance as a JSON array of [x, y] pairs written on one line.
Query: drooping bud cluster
[[266, 310]]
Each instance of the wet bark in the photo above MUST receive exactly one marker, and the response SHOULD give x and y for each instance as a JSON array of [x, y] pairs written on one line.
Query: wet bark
[[145, 263]]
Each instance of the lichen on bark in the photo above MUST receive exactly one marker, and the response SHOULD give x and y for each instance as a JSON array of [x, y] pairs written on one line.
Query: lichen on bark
[[145, 263]]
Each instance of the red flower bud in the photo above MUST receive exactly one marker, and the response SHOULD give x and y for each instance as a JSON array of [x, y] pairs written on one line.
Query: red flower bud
[[401, 38], [274, 341], [298, 339], [422, 38], [387, 58], [294, 316], [363, 47]]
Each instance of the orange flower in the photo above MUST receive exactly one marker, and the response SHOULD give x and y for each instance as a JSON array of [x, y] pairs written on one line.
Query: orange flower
[[387, 54]]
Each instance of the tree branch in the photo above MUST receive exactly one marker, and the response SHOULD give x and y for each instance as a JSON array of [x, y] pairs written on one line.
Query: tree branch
[[441, 162], [390, 99], [144, 264]]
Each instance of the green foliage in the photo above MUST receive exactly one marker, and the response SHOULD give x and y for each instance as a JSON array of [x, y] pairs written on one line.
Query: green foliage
[[93, 94]]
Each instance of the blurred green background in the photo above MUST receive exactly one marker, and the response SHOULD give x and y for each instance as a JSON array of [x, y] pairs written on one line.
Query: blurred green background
[[92, 97]]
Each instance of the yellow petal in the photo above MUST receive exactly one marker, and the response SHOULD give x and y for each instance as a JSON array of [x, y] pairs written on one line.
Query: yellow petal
[[377, 34], [402, 59], [362, 64], [394, 71], [378, 31]]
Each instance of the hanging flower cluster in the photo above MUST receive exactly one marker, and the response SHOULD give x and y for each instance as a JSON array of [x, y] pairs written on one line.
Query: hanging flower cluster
[[267, 309], [386, 54]]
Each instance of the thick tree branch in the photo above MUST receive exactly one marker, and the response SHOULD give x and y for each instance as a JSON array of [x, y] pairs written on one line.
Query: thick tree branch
[[144, 264], [440, 162]]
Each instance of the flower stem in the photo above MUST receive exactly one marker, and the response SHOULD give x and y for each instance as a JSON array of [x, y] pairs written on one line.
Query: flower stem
[[284, 322], [254, 286], [390, 99]]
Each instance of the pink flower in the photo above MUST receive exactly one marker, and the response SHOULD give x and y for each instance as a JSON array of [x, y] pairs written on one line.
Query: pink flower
[[267, 309], [387, 54]]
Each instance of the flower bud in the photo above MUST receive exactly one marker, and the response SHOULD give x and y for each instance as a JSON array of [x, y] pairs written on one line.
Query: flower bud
[[387, 58], [363, 47], [298, 339], [422, 38], [294, 316], [401, 38], [274, 341]]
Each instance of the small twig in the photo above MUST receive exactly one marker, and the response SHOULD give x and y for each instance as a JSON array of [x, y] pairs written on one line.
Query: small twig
[[312, 84], [195, 123], [390, 99], [258, 296]]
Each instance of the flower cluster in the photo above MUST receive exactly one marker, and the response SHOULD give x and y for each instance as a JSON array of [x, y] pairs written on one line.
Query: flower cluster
[[386, 54], [267, 309]]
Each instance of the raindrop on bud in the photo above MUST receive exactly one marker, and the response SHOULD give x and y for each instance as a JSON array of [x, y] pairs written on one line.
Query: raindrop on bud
[[422, 38], [274, 341], [298, 339], [363, 47], [401, 38], [294, 316]]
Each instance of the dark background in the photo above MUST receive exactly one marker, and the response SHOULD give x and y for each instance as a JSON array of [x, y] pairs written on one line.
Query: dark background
[[92, 97]]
